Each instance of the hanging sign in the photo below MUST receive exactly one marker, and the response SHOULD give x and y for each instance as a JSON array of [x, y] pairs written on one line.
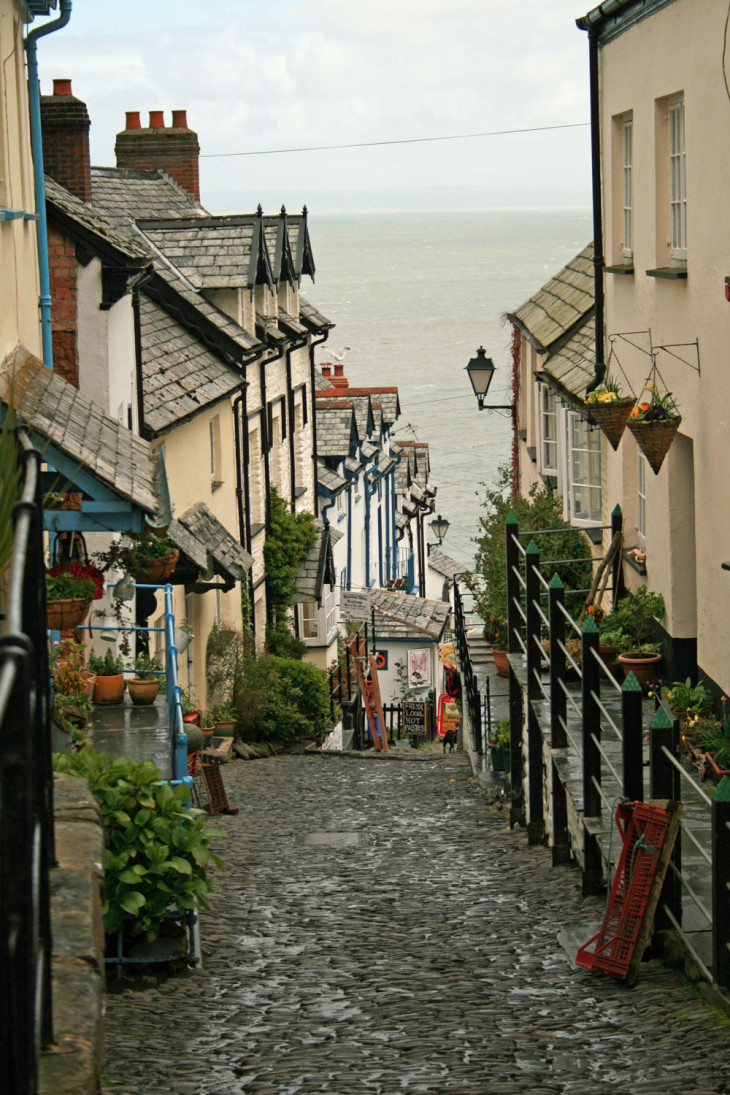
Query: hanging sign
[[414, 716]]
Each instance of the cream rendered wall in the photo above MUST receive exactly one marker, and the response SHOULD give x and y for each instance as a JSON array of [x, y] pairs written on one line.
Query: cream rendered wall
[[19, 314], [678, 49], [122, 361], [187, 456]]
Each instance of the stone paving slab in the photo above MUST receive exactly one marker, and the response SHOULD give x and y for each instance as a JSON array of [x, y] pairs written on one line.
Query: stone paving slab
[[379, 929]]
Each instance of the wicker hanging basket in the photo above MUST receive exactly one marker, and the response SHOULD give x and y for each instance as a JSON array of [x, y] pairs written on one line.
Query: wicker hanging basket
[[68, 613], [611, 418], [156, 570], [655, 438]]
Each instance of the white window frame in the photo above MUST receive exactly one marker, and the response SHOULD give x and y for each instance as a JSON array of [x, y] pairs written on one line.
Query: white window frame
[[627, 146], [641, 466], [677, 180], [547, 402], [582, 475], [310, 621]]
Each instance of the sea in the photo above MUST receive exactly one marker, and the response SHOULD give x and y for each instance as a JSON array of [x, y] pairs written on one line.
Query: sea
[[413, 295]]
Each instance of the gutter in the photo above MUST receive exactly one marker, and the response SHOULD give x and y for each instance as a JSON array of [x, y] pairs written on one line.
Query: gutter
[[36, 142], [312, 344]]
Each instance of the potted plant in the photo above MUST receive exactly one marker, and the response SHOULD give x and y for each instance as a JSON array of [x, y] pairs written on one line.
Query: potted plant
[[654, 423], [687, 699], [149, 557], [191, 712], [109, 684], [629, 629], [223, 717], [499, 746], [610, 409], [72, 689], [148, 677], [495, 632], [68, 596]]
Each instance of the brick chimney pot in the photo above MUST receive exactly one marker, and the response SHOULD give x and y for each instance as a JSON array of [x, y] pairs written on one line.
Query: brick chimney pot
[[133, 121], [157, 119], [62, 87], [179, 119]]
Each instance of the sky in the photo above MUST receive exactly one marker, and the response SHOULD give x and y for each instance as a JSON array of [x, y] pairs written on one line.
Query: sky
[[262, 75]]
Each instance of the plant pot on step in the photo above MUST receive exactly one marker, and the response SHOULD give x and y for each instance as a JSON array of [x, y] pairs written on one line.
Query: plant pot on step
[[501, 663], [643, 666], [716, 771], [225, 728], [611, 418], [655, 438], [501, 758], [142, 692], [68, 613], [109, 690]]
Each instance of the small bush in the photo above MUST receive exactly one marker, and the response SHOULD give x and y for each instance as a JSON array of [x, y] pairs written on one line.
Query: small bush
[[157, 849]]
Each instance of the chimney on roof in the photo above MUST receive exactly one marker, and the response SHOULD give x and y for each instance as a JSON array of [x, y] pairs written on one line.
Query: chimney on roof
[[339, 380], [173, 149], [65, 134], [326, 369]]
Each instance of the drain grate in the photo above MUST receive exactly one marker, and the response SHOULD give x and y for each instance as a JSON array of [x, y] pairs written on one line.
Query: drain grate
[[334, 840]]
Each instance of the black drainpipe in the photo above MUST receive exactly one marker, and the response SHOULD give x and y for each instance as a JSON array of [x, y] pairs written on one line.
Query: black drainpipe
[[243, 496], [598, 260], [316, 342], [290, 413], [135, 284]]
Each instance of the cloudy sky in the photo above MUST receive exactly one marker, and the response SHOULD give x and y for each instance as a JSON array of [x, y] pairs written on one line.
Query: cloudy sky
[[262, 75]]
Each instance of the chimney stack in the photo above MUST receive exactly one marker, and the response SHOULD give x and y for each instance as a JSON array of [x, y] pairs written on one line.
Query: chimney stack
[[339, 380], [65, 132], [326, 369], [173, 149]]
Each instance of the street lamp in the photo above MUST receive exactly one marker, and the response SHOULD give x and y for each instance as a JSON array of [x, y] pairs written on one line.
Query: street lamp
[[439, 527], [481, 371]]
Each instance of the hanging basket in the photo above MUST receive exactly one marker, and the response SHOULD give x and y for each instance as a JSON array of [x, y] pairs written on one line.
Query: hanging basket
[[611, 418], [157, 570], [655, 438], [66, 614]]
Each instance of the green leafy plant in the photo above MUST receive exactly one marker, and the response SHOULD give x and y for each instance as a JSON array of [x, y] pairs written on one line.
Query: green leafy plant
[[157, 849], [222, 712], [145, 548], [688, 698], [608, 392], [540, 510], [501, 733], [289, 538], [305, 685], [71, 701], [111, 665], [147, 669], [66, 586], [658, 407], [631, 624]]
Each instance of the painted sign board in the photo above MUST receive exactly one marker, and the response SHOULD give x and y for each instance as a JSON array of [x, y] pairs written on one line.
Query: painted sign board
[[355, 606], [414, 716]]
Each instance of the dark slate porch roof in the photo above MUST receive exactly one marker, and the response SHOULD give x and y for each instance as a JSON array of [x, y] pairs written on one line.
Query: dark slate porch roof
[[221, 553], [318, 568], [564, 303], [401, 616]]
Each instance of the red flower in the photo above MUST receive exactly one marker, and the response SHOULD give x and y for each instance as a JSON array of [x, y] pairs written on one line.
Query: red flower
[[81, 570]]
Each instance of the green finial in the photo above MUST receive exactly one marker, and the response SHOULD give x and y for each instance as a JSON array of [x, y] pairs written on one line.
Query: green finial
[[556, 582], [511, 519], [660, 721], [722, 791], [532, 548], [590, 627], [616, 511], [631, 683]]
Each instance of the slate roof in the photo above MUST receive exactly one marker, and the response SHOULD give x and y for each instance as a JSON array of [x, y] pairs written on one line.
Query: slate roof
[[224, 550], [368, 449], [123, 193], [180, 374], [211, 252], [313, 318], [444, 564], [317, 569], [573, 365], [563, 303], [95, 220], [335, 427], [331, 480], [401, 616], [81, 430]]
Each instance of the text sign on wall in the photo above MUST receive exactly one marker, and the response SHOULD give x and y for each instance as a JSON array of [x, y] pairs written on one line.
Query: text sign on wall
[[414, 716]]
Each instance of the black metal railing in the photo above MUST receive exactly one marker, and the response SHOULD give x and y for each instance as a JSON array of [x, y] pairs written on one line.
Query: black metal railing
[[26, 794], [564, 699]]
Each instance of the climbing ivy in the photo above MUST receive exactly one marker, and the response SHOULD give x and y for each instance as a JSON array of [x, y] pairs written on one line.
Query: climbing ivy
[[289, 537]]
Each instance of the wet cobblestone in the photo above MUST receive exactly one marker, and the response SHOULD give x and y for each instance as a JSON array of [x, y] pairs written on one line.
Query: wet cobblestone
[[377, 929]]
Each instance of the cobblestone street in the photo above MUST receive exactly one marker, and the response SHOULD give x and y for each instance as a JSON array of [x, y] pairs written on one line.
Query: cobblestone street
[[377, 929]]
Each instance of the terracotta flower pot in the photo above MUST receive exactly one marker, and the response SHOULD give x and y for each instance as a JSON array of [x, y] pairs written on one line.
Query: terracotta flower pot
[[225, 728], [66, 614], [501, 663], [143, 692], [643, 666], [109, 689]]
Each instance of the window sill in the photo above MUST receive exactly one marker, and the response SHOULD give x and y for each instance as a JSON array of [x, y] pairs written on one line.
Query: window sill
[[622, 268], [215, 484], [669, 273], [299, 491], [633, 562], [256, 529], [532, 453]]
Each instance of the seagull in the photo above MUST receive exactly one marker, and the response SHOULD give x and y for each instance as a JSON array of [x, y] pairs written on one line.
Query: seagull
[[339, 355]]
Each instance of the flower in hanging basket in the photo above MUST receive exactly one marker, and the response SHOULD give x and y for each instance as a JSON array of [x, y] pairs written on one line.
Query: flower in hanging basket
[[654, 423], [84, 571], [610, 408], [64, 585]]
